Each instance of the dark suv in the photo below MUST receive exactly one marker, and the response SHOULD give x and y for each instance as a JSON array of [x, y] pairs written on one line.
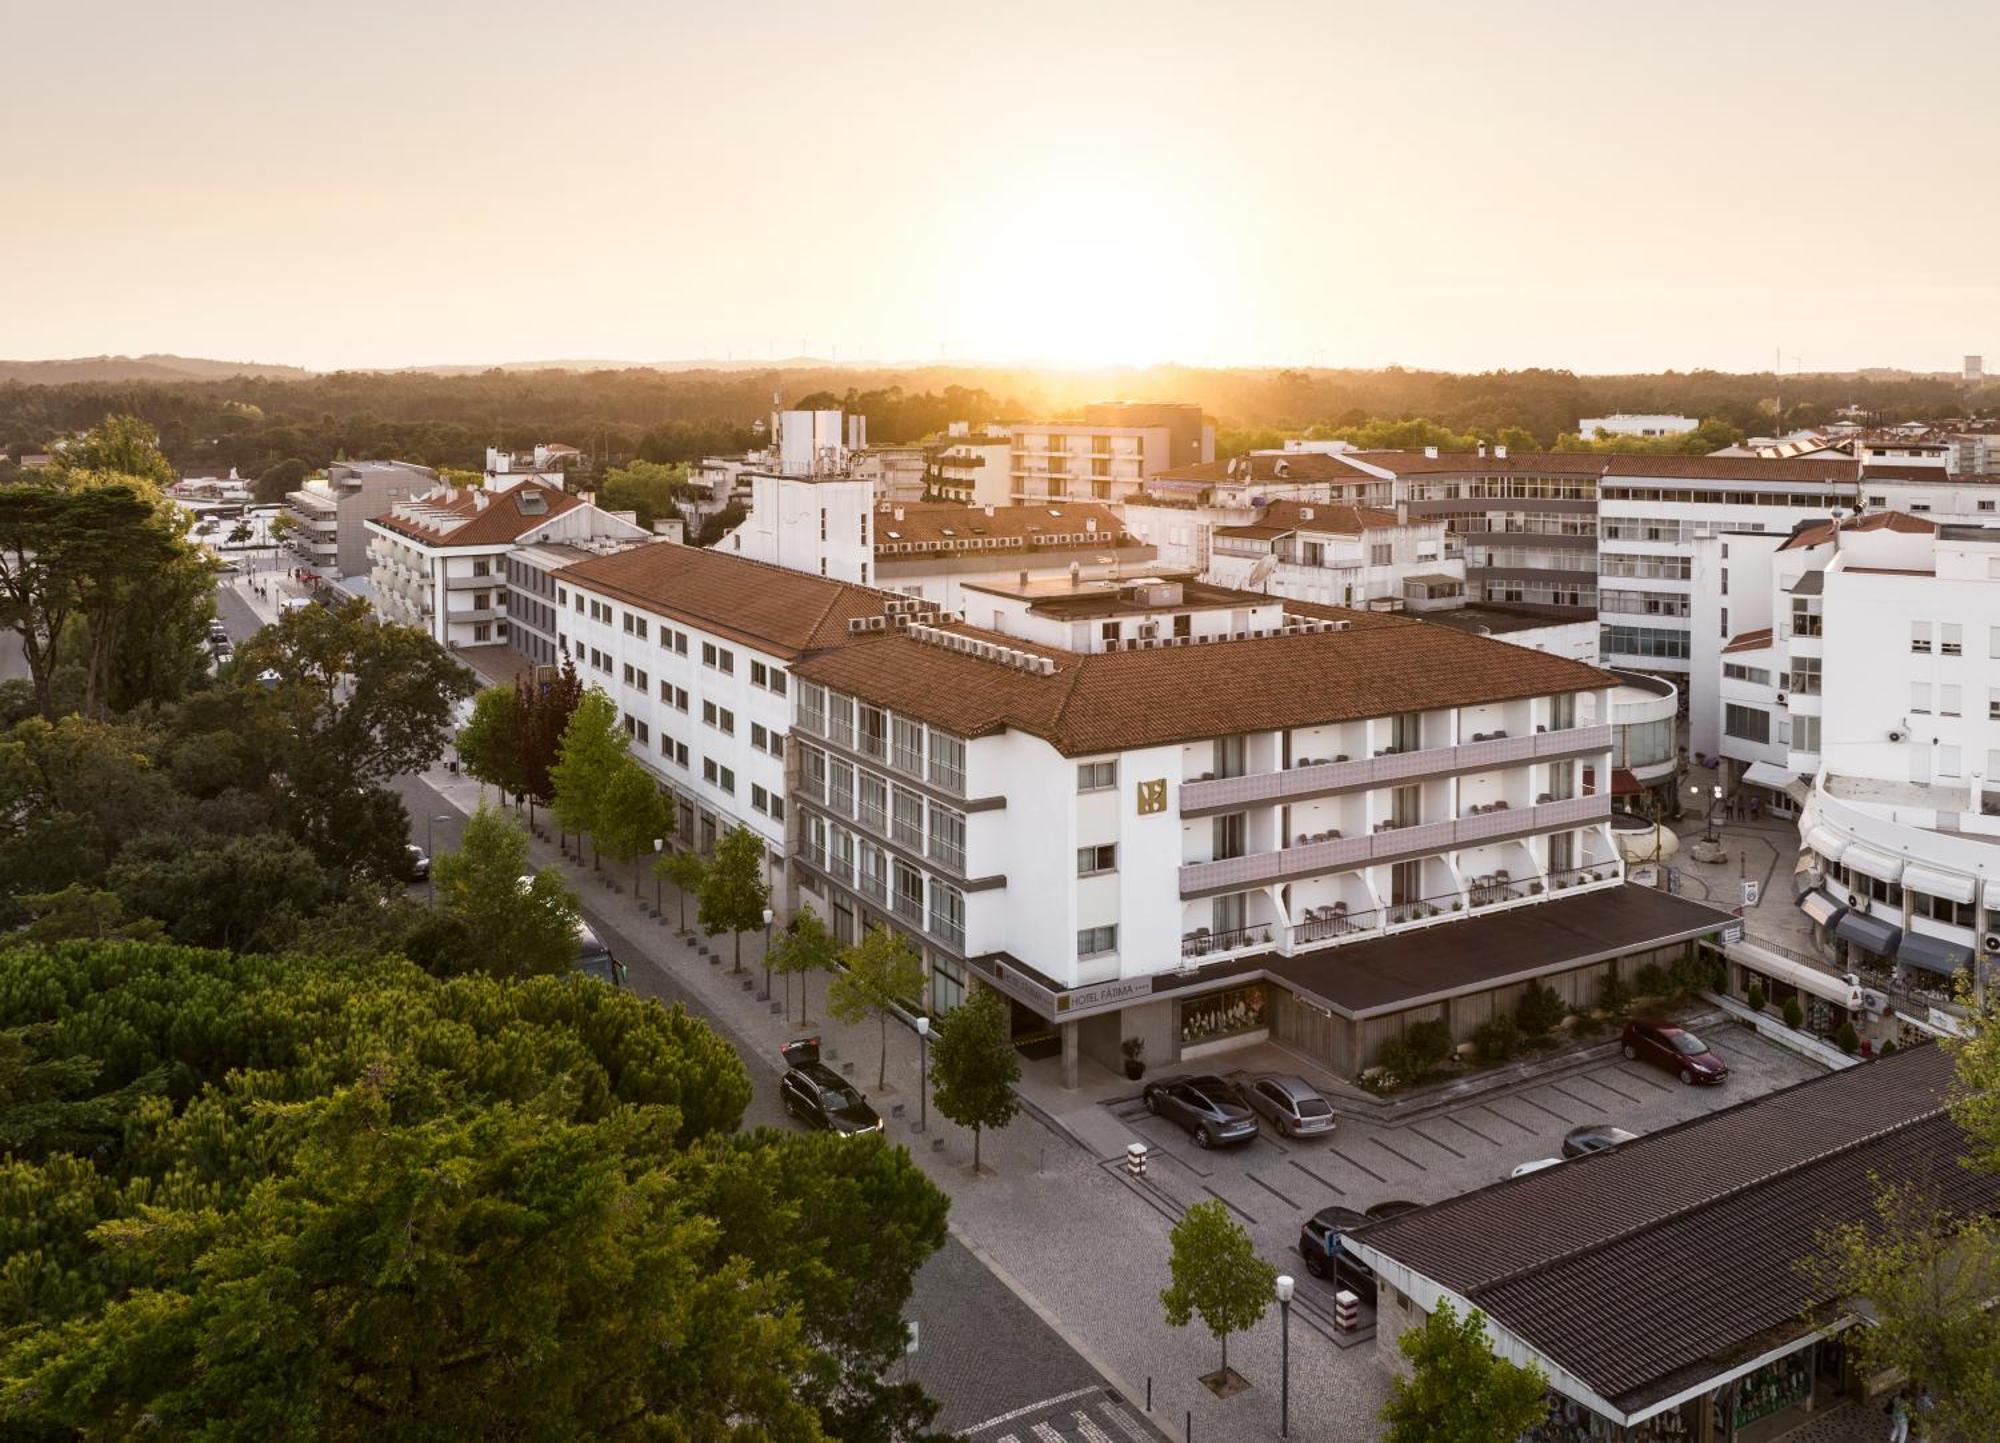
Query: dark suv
[[1319, 1245], [1207, 1107], [594, 959], [820, 1097]]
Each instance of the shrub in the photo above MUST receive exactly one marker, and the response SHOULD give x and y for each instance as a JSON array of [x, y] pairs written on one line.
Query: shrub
[[1498, 1040], [1540, 1010], [1613, 995], [1847, 1039], [1888, 1047], [1699, 973], [1795, 1015], [1653, 980], [1755, 997], [1418, 1052]]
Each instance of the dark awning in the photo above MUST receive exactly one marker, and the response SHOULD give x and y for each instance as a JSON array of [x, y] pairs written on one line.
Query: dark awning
[[1933, 954], [1624, 783], [1871, 934], [1819, 905]]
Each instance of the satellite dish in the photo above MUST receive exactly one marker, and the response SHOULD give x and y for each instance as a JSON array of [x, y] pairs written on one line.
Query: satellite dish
[[1261, 572]]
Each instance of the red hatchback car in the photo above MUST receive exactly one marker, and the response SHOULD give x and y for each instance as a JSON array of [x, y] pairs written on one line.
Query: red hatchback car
[[1676, 1049]]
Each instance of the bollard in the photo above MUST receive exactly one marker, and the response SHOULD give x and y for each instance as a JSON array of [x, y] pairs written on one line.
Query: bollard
[[1135, 1159], [1346, 1311], [1149, 1392]]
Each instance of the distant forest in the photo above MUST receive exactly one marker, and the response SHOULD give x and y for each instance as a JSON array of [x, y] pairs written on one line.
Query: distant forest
[[257, 423]]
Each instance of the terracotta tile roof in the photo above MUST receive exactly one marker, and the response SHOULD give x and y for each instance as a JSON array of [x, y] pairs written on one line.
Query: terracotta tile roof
[[1818, 533], [1282, 518], [1567, 463], [1651, 1267], [774, 609], [1892, 471], [501, 520], [1291, 466], [943, 525], [1108, 701], [1749, 640]]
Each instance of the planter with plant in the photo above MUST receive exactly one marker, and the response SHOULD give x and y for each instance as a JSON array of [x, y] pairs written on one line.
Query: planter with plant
[[1134, 1049], [1755, 997], [1795, 1015], [1847, 1039]]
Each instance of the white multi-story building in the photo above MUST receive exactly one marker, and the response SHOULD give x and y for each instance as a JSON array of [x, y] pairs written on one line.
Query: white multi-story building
[[1627, 425], [330, 513], [1109, 454], [1196, 817], [438, 562], [974, 470]]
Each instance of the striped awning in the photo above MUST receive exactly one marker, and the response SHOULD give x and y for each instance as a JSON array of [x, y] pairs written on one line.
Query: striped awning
[[1949, 885], [1821, 907]]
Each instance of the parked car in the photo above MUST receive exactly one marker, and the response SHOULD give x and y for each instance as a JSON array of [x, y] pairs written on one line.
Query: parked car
[[217, 632], [1536, 1166], [1319, 1245], [420, 862], [820, 1097], [1207, 1107], [1676, 1049], [1390, 1209], [594, 959], [1292, 1104], [1595, 1137]]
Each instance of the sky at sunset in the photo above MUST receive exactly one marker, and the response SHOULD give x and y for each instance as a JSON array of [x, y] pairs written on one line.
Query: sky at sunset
[[1599, 186]]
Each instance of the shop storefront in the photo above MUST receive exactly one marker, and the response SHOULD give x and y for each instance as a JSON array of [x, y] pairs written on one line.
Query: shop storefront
[[1222, 1019]]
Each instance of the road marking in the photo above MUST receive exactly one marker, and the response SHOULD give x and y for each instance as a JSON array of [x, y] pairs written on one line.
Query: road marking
[[1511, 1121], [1596, 1079], [1322, 1181], [1271, 1190], [1090, 1431], [1631, 1070], [1403, 1155], [1456, 1121], [1434, 1142], [1041, 1407], [1047, 1434], [1559, 1117], [1228, 1204], [1125, 1424], [1579, 1101], [1361, 1166]]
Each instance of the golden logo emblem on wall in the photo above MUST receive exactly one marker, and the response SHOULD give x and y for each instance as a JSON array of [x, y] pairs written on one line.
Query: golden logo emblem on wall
[[1152, 797]]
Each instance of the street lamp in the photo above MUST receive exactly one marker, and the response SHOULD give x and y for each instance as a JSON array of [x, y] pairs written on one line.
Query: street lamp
[[923, 1072], [1285, 1355], [659, 904], [768, 914]]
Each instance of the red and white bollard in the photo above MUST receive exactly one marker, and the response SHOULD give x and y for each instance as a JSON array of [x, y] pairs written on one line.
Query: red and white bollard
[[1135, 1159], [1346, 1311]]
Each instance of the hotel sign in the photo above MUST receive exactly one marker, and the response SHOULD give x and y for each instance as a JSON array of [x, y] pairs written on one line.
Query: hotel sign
[[1104, 994]]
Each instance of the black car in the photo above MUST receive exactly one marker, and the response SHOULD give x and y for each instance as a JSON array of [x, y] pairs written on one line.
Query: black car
[[1207, 1107], [1390, 1209], [1595, 1137], [820, 1097], [420, 862], [594, 959], [1319, 1245]]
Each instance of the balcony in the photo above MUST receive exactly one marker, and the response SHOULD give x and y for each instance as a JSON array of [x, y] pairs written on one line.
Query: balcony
[[471, 583], [1392, 844], [1318, 777]]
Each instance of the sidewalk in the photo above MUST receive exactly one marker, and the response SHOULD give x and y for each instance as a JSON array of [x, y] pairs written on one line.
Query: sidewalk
[[1047, 1212]]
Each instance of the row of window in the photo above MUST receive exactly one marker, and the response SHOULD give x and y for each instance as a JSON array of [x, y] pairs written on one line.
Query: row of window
[[896, 812], [1891, 894], [1646, 566], [907, 891], [1642, 641], [1949, 638], [1950, 700], [899, 741]]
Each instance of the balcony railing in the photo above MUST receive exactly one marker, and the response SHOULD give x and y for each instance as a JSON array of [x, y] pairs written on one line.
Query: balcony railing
[[875, 888], [1311, 777], [910, 909], [1390, 844], [948, 930], [1203, 943]]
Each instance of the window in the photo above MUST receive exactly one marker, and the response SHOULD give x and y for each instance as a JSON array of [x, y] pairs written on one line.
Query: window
[[760, 800], [1950, 700], [1920, 696], [1643, 641], [909, 820], [874, 803], [1096, 941], [947, 914], [1948, 761], [717, 775], [1805, 734], [1805, 677], [674, 641], [840, 719], [1381, 553], [673, 751], [766, 740], [874, 732], [719, 717], [637, 678], [674, 696], [1746, 722], [721, 658], [562, 596], [947, 841], [947, 762], [637, 730], [1096, 776], [1092, 860], [1951, 639], [909, 750], [1753, 674], [482, 631], [768, 677], [812, 707], [481, 567], [1920, 636], [1993, 708], [1943, 909], [840, 787]]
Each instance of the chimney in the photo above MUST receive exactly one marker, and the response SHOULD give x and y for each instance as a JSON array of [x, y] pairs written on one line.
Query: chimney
[[899, 513], [989, 510], [1500, 453], [1482, 450], [1431, 453]]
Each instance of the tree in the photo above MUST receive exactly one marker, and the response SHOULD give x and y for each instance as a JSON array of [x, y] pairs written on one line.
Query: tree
[[1217, 1275], [587, 759], [245, 893], [489, 745], [279, 479], [879, 972], [118, 446], [646, 488], [684, 871], [974, 1066], [508, 927], [801, 949], [546, 707], [1459, 1390], [734, 895], [632, 815]]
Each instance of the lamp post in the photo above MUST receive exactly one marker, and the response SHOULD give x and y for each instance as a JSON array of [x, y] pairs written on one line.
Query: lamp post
[[1285, 1355], [768, 914], [923, 1072], [659, 904]]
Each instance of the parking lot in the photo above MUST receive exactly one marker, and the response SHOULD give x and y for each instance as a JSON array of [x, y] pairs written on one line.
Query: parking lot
[[1273, 1184]]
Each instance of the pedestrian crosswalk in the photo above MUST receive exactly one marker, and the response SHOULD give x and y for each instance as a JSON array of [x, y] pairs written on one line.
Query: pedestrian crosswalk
[[1078, 1418]]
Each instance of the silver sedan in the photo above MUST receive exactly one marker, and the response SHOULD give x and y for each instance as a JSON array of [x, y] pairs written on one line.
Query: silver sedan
[[1292, 1104]]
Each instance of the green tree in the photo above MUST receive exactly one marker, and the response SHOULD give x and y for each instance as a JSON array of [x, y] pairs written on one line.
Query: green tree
[[647, 488], [246, 893], [974, 1066], [508, 927], [489, 744], [733, 893], [684, 871], [633, 814], [118, 446], [880, 972], [801, 949], [1217, 1275], [592, 747], [279, 479], [1459, 1390]]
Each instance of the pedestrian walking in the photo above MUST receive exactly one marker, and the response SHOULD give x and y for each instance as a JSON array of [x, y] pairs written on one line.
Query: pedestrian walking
[[1899, 1419]]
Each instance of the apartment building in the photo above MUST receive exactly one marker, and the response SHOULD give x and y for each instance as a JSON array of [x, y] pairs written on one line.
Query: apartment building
[[1195, 817], [974, 470], [1109, 454], [1900, 625], [438, 561], [1622, 424], [330, 513], [697, 647]]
